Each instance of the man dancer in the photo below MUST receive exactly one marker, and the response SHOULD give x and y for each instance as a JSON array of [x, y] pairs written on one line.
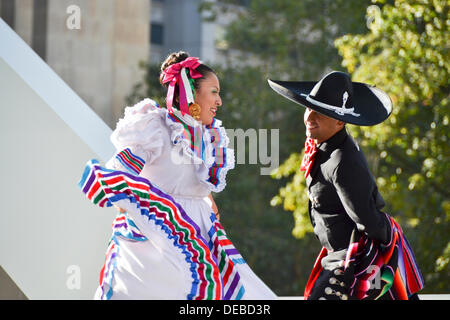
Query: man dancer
[[344, 202]]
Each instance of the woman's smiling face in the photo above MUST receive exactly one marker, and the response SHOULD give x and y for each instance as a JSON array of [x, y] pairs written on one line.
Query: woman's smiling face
[[208, 97]]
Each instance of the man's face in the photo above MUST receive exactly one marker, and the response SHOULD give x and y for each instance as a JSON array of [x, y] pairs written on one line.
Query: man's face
[[319, 126]]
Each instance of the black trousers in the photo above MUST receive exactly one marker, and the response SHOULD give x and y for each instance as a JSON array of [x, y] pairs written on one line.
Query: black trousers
[[330, 285]]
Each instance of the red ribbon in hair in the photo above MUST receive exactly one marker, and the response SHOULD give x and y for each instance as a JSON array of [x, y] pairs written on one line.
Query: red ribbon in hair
[[308, 158], [172, 74]]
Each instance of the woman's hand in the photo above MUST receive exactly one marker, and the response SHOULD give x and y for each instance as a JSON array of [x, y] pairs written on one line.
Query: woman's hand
[[120, 209], [214, 207]]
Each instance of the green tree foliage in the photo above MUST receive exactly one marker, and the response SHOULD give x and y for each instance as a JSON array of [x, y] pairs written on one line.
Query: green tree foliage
[[291, 38]]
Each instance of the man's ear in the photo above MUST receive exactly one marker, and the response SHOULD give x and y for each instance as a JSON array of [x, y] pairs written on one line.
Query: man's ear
[[340, 123]]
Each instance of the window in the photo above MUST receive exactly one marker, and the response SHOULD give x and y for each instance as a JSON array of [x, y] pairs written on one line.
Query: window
[[157, 33]]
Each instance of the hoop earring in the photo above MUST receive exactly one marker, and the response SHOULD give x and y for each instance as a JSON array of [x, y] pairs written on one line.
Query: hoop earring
[[194, 110]]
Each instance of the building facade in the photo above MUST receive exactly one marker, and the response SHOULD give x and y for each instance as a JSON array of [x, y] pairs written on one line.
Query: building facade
[[181, 25], [96, 46], [93, 45]]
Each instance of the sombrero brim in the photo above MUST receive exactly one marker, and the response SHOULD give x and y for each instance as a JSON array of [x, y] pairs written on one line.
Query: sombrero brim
[[372, 104]]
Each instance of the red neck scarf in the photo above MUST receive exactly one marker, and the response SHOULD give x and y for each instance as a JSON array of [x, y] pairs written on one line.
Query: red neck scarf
[[308, 158]]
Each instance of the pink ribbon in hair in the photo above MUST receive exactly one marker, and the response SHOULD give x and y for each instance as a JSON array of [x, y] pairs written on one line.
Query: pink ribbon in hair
[[172, 74]]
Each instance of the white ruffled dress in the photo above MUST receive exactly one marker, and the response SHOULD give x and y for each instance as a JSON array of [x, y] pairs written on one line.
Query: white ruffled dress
[[168, 244]]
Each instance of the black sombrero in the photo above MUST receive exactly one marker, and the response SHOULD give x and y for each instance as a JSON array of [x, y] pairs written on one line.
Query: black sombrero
[[336, 96]]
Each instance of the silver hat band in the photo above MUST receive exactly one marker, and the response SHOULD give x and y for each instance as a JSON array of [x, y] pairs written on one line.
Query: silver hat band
[[339, 110]]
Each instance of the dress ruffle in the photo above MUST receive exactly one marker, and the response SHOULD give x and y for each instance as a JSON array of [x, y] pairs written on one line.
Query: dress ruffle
[[223, 158], [140, 131], [207, 146]]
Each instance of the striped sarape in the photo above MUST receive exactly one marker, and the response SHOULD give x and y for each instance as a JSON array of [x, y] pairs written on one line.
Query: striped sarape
[[211, 262], [374, 271]]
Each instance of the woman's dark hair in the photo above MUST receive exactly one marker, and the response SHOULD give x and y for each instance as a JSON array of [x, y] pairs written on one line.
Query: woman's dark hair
[[176, 57]]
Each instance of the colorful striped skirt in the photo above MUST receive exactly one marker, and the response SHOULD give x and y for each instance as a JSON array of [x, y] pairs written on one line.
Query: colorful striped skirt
[[165, 247]]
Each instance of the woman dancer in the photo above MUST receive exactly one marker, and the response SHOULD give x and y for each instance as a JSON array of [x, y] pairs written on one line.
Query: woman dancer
[[167, 241]]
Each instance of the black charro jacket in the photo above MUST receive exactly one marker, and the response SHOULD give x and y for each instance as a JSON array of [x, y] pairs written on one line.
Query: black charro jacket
[[343, 194]]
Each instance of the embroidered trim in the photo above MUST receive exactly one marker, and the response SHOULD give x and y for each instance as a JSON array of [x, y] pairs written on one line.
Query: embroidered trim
[[207, 146], [130, 161], [339, 110], [227, 259]]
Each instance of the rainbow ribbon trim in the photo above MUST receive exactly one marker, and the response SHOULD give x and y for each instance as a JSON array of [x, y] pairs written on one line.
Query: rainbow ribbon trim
[[130, 161], [219, 153], [227, 258], [105, 187], [207, 144], [107, 272], [193, 135], [176, 74]]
